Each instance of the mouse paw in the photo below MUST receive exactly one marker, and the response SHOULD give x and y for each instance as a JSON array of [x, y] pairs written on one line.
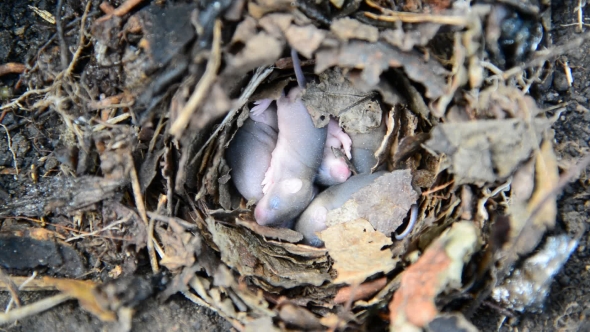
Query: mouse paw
[[335, 130], [261, 106]]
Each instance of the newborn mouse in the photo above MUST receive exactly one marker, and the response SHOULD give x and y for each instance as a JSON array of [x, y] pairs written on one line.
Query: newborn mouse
[[249, 153], [333, 169], [364, 147], [288, 184], [313, 219]]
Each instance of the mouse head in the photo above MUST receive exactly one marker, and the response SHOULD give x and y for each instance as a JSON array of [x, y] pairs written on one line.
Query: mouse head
[[285, 200], [312, 221]]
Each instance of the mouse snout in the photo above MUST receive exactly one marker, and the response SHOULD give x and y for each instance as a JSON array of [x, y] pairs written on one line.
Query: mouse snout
[[340, 173]]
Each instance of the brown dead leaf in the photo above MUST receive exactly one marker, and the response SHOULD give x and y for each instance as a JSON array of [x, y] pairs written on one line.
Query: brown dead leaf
[[180, 247], [279, 264], [83, 291], [260, 50], [306, 40], [347, 28], [486, 151], [335, 95], [374, 58], [357, 251], [525, 234], [407, 40], [384, 203], [299, 317], [281, 234], [362, 291], [440, 267]]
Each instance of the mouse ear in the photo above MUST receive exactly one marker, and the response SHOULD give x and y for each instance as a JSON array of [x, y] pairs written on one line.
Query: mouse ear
[[292, 185]]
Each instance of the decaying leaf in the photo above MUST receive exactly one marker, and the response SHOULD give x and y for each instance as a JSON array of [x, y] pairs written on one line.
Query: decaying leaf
[[384, 203], [528, 285], [305, 40], [262, 49], [439, 268], [486, 151], [529, 220], [83, 291], [374, 58], [335, 95], [281, 265], [357, 251], [348, 28]]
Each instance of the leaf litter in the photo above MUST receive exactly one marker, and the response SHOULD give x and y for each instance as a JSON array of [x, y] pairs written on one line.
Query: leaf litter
[[480, 172]]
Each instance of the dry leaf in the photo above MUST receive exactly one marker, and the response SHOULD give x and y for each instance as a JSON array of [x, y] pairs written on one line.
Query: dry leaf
[[348, 28], [262, 49], [277, 264], [357, 251], [525, 234], [384, 203], [486, 151], [83, 291], [305, 40], [439, 268], [335, 95], [375, 58]]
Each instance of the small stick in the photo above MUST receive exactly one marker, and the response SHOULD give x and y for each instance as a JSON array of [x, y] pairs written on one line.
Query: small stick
[[202, 87], [141, 207], [12, 68], [33, 309], [11, 149]]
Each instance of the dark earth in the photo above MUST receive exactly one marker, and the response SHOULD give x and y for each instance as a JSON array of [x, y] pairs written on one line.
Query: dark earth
[[567, 307]]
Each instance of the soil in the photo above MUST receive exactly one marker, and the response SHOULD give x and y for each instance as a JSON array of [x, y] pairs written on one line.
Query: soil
[[37, 135]]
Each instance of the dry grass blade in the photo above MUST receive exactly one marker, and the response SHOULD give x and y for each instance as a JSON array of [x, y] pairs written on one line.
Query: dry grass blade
[[33, 309], [202, 87]]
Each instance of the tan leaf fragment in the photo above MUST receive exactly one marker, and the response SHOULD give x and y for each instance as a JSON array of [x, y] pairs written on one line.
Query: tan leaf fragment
[[357, 251], [525, 234], [273, 263], [375, 58], [487, 150], [440, 267], [83, 291], [305, 40], [335, 95], [347, 28], [262, 49], [384, 203]]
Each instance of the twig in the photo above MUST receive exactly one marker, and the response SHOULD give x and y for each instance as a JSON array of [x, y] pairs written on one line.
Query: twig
[[11, 149], [32, 309], [17, 101], [116, 223], [202, 87], [63, 47], [437, 188], [80, 41], [126, 7], [151, 239], [21, 287], [140, 205], [12, 68], [12, 289], [420, 18], [166, 219]]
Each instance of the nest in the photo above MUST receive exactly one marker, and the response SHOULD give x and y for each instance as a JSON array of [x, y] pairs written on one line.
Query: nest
[[465, 143]]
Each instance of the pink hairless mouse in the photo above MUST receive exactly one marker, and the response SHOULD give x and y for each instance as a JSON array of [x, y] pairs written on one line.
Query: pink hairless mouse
[[288, 184], [334, 169]]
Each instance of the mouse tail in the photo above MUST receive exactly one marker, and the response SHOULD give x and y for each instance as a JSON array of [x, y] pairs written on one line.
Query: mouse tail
[[297, 67]]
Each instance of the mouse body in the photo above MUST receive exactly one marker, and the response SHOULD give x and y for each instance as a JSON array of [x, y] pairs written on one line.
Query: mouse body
[[364, 146], [249, 153], [334, 169], [313, 219], [288, 184]]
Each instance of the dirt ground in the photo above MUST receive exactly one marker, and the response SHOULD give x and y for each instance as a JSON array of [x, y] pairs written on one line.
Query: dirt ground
[[567, 306]]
